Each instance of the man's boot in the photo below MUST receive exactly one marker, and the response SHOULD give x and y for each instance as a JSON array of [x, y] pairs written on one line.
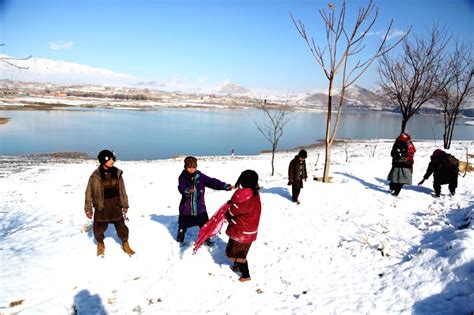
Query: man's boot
[[100, 249], [127, 249]]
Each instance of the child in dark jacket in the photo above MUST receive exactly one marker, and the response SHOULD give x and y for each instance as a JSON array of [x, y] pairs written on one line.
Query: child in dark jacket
[[243, 217], [192, 207], [296, 174], [106, 195]]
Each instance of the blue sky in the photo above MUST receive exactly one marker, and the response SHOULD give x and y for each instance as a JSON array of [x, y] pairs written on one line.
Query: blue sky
[[252, 43]]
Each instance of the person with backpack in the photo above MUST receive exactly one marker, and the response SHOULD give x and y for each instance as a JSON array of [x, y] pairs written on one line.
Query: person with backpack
[[106, 195], [192, 207], [445, 170], [296, 174], [403, 153]]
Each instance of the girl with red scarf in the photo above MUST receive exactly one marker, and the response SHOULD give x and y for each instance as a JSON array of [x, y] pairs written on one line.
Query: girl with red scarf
[[403, 152], [243, 217]]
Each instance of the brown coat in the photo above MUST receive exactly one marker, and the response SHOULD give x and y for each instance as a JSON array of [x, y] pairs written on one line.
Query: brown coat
[[95, 192], [297, 170]]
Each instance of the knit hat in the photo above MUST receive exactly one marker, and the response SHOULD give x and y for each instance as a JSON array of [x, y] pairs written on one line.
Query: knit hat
[[106, 155], [190, 161], [303, 154], [404, 137]]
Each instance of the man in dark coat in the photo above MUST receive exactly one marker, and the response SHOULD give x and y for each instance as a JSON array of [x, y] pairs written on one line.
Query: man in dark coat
[[445, 170], [192, 186], [297, 173]]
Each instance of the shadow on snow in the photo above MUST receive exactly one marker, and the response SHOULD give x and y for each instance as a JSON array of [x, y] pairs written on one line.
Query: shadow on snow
[[170, 222], [457, 296], [85, 303], [283, 192]]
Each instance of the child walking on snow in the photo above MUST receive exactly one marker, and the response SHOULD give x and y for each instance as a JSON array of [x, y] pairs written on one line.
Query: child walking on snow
[[192, 207], [297, 173], [106, 194], [243, 217]]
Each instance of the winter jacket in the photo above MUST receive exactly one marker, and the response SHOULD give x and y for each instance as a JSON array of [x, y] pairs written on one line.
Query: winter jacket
[[194, 203], [244, 216], [297, 170], [95, 192], [403, 153], [443, 173]]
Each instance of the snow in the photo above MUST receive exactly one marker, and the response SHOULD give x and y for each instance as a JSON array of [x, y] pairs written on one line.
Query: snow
[[48, 70], [349, 248], [469, 122]]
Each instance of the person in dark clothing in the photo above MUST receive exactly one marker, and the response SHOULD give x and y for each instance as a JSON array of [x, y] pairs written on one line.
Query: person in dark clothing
[[296, 174], [403, 152], [445, 170], [106, 194], [192, 207]]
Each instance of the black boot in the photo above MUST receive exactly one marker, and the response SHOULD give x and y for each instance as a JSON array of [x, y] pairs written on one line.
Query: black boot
[[244, 269], [180, 237], [397, 188]]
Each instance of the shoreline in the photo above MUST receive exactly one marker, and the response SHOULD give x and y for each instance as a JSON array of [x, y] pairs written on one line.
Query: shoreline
[[67, 157]]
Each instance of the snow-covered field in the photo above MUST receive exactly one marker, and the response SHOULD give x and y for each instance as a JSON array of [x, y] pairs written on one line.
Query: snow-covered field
[[349, 248]]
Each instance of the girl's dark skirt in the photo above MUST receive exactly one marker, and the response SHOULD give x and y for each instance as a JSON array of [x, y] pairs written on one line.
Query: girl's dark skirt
[[236, 250]]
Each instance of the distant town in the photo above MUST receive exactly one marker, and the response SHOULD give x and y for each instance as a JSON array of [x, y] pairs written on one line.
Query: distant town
[[19, 95]]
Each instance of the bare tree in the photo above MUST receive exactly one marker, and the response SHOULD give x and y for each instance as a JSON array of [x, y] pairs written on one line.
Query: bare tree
[[273, 126], [11, 60], [458, 90], [343, 43], [417, 75]]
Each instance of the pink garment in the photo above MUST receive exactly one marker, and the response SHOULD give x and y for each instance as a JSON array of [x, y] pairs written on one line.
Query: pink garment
[[212, 226], [411, 154]]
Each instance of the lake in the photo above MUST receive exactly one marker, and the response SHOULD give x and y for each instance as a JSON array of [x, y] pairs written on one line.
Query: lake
[[165, 133]]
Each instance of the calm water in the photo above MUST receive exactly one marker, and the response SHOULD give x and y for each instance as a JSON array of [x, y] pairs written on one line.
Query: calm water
[[165, 133]]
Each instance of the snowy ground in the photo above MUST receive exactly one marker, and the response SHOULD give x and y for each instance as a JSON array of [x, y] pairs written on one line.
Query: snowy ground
[[349, 248]]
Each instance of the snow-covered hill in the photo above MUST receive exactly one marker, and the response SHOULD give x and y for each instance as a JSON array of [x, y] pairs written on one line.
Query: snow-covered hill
[[349, 248], [63, 72]]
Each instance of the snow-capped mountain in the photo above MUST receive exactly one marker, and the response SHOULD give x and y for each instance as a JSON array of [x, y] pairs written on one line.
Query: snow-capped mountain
[[63, 72], [355, 98]]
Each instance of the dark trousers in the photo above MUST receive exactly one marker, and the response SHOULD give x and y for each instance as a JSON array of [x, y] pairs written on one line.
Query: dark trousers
[[396, 187], [296, 189], [99, 229], [452, 185], [187, 221]]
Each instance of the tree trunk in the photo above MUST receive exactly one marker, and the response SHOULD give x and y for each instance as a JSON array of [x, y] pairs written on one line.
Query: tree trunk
[[327, 158], [327, 162], [273, 159], [404, 124]]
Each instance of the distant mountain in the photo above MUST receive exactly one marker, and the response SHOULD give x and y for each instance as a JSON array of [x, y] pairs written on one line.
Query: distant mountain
[[356, 98], [233, 89], [62, 72]]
